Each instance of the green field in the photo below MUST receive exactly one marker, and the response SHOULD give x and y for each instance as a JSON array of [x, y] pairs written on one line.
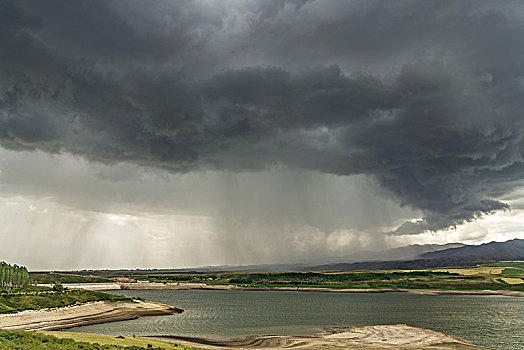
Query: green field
[[50, 278], [481, 277], [22, 340], [32, 298], [516, 264], [492, 276], [512, 272]]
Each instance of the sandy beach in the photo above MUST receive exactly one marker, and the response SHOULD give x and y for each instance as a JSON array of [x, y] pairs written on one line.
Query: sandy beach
[[84, 314], [370, 337]]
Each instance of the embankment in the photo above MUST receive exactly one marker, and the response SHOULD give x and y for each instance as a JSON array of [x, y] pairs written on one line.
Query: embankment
[[185, 286], [182, 286], [370, 337], [84, 314]]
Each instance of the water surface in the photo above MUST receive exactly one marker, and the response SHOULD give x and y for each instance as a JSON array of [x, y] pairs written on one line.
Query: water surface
[[492, 321]]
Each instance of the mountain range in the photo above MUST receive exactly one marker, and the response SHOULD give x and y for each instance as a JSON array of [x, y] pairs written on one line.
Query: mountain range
[[513, 249], [408, 257], [460, 256]]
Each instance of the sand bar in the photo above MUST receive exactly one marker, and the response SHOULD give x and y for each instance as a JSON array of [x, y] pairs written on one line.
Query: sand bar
[[82, 315], [370, 337], [186, 286]]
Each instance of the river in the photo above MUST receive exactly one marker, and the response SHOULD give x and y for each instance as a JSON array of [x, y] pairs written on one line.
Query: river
[[493, 321]]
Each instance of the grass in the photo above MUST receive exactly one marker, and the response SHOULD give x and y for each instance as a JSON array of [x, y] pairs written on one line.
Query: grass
[[22, 340], [51, 278], [516, 264], [117, 340], [481, 277], [33, 298], [513, 272], [490, 276]]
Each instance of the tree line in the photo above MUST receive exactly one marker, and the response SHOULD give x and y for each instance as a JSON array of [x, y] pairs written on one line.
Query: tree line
[[13, 276]]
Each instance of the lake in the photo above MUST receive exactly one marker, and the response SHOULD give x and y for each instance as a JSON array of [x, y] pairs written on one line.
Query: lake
[[492, 321]]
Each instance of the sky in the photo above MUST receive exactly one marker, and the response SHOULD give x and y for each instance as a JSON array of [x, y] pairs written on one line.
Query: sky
[[186, 133]]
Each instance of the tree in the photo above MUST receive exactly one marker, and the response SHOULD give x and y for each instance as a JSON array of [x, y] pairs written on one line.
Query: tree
[[13, 276], [58, 287]]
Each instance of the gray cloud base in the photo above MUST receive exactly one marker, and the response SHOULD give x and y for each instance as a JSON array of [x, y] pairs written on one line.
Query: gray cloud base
[[425, 96]]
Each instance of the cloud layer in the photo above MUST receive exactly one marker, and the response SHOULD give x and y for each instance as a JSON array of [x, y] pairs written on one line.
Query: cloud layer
[[425, 96]]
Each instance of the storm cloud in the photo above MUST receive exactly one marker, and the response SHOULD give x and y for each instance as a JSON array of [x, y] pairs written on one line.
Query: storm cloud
[[424, 96]]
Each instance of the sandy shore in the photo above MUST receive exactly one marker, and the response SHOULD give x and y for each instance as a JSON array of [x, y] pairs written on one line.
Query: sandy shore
[[84, 314], [185, 286], [371, 337]]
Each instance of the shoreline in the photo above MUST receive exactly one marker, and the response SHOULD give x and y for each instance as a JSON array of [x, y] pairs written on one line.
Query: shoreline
[[203, 286], [367, 337], [83, 315]]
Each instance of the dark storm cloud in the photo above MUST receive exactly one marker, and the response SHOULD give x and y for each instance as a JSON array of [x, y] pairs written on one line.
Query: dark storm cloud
[[425, 96]]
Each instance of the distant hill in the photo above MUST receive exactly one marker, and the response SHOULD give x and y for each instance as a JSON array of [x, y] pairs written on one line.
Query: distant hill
[[402, 253], [509, 250], [416, 264], [466, 255], [409, 258]]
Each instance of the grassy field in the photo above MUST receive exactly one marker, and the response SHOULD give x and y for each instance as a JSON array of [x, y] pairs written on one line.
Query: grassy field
[[72, 341], [117, 340], [493, 276], [50, 278], [516, 264], [499, 276], [32, 298]]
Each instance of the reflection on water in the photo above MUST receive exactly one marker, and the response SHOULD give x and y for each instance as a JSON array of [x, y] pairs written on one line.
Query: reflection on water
[[492, 321]]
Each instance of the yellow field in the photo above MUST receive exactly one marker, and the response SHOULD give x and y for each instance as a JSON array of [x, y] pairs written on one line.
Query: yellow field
[[473, 270], [511, 280], [466, 271]]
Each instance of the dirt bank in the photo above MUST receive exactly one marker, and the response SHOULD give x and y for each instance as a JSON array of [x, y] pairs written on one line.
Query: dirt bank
[[322, 290], [185, 286], [82, 315], [371, 337]]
